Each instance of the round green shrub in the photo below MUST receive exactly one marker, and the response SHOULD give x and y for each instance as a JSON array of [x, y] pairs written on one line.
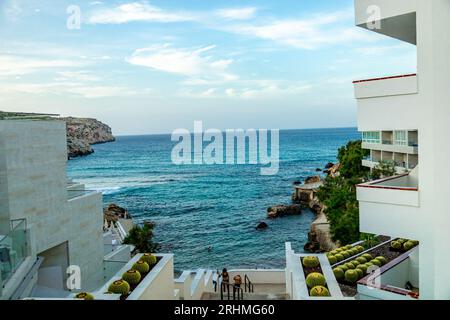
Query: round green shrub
[[315, 279], [339, 250], [339, 257], [348, 247], [346, 254], [142, 267], [359, 248], [311, 262], [319, 291], [382, 259], [376, 262], [367, 256], [338, 273], [133, 277], [351, 276], [84, 296], [396, 245], [354, 251], [334, 252], [350, 265], [360, 273], [416, 243], [402, 241], [361, 260], [408, 245], [119, 287], [149, 258], [363, 268], [332, 260]]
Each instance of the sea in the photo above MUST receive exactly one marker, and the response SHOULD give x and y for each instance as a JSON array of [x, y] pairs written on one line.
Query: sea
[[206, 214]]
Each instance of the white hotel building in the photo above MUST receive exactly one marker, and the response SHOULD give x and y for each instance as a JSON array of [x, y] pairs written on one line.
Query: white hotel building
[[406, 119]]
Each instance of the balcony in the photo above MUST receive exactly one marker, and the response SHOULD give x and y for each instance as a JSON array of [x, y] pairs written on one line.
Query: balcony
[[396, 19], [13, 250], [387, 86]]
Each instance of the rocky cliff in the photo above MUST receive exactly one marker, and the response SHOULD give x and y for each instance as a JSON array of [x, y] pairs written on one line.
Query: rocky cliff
[[82, 133]]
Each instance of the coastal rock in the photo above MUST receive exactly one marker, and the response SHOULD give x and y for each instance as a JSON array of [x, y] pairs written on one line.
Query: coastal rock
[[262, 225], [296, 183], [314, 179], [283, 210], [334, 170], [113, 213], [82, 133], [329, 165]]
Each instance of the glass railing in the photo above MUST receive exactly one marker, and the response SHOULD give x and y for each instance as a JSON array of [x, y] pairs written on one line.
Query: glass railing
[[413, 144], [111, 268], [13, 249], [388, 142]]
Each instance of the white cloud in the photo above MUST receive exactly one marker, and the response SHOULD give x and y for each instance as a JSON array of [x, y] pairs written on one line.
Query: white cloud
[[313, 33], [83, 76], [11, 65], [192, 63], [137, 11], [237, 13]]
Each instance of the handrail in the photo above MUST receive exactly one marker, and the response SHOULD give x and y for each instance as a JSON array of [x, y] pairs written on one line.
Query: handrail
[[237, 291], [386, 78], [248, 285]]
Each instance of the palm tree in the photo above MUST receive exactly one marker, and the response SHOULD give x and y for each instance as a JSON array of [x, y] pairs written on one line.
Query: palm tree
[[141, 237]]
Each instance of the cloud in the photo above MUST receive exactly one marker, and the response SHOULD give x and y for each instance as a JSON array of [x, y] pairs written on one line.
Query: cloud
[[75, 89], [312, 33], [11, 65], [237, 13], [136, 12], [82, 76], [193, 63]]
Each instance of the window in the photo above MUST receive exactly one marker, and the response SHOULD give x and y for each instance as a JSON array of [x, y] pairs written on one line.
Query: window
[[400, 138], [371, 137]]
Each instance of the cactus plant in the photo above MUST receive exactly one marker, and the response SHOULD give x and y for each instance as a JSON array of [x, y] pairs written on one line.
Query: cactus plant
[[363, 268], [361, 260], [376, 262], [84, 296], [315, 279], [311, 262], [332, 260], [346, 254], [338, 273], [416, 243], [402, 241], [133, 277], [408, 245], [142, 267], [319, 291], [339, 257], [382, 259], [351, 276], [350, 265], [367, 256], [354, 251], [359, 248], [343, 267], [396, 245], [149, 258], [355, 262], [119, 287], [360, 273]]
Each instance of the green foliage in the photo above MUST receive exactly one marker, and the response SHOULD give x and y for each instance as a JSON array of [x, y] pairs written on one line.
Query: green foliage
[[315, 279], [351, 276], [408, 245], [339, 273], [370, 240], [133, 277], [142, 267], [119, 287], [311, 262], [350, 159], [84, 296], [383, 169], [149, 258], [397, 245], [141, 237], [319, 291]]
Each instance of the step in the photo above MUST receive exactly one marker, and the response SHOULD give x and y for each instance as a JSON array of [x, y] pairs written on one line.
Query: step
[[248, 296]]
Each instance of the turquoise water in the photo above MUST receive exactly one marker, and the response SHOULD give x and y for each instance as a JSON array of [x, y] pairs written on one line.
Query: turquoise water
[[200, 206]]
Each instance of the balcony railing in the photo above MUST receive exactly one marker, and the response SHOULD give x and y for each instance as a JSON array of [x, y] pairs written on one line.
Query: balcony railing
[[73, 194], [13, 249]]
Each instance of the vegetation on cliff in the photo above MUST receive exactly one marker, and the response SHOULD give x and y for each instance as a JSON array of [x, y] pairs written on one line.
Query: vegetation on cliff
[[141, 237]]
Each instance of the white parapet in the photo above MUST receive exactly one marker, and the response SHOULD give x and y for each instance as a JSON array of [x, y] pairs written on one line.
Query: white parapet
[[386, 86]]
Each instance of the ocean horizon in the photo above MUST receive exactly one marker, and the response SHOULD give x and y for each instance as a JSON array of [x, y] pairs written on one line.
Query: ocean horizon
[[207, 214]]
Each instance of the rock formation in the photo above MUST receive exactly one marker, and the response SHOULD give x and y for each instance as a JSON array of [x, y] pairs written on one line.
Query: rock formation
[[283, 210], [262, 225], [113, 213], [82, 133]]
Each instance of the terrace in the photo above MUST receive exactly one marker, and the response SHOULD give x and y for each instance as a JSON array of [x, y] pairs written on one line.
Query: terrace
[[386, 86]]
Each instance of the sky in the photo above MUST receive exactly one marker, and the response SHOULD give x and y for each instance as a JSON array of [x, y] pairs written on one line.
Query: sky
[[154, 66]]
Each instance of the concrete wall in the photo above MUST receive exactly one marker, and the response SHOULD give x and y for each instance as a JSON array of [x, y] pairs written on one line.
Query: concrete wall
[[33, 158]]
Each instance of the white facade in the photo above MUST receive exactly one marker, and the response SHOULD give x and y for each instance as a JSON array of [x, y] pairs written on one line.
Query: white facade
[[63, 227], [417, 208]]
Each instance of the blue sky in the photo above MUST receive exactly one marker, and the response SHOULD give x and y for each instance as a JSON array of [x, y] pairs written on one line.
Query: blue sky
[[154, 66]]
